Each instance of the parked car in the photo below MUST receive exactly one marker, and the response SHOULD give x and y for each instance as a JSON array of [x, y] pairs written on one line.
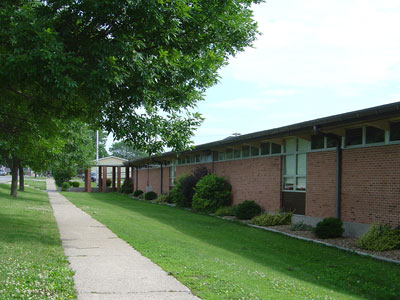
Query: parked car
[[3, 173], [93, 176]]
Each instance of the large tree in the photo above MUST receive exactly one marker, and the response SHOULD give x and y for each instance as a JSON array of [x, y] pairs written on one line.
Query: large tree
[[124, 150], [133, 68]]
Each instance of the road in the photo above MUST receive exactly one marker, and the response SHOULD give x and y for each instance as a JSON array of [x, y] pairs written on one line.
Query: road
[[4, 179]]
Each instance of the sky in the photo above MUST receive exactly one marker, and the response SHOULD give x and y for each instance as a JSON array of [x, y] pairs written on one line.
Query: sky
[[314, 59]]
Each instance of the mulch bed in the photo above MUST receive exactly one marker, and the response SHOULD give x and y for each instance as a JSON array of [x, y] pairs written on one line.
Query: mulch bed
[[345, 242]]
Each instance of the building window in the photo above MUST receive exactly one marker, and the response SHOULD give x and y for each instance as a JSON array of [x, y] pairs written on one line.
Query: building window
[[275, 149], [245, 151], [265, 148], [317, 142], [172, 170], [294, 170], [237, 153], [331, 142], [374, 135], [221, 156], [395, 131], [354, 136], [254, 151], [229, 153]]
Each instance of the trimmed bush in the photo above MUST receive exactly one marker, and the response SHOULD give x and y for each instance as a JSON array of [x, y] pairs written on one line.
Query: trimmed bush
[[108, 182], [62, 175], [65, 186], [163, 198], [211, 193], [226, 211], [329, 228], [127, 187], [137, 193], [300, 226], [247, 210], [380, 238], [150, 196], [75, 184], [272, 220], [176, 192]]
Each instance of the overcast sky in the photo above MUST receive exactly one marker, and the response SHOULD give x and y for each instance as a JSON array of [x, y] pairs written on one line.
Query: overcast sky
[[314, 59]]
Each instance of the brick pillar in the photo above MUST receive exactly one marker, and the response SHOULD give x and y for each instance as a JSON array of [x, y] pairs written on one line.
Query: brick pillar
[[99, 178], [104, 184], [118, 178], [88, 180], [113, 179], [133, 179]]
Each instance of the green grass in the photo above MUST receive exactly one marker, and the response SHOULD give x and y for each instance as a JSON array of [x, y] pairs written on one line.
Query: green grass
[[218, 259], [41, 185], [32, 263], [33, 177]]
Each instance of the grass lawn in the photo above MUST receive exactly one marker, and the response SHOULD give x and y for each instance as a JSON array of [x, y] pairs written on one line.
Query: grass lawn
[[41, 185], [32, 262], [218, 259]]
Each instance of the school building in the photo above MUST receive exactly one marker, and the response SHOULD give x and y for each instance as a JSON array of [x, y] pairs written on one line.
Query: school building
[[345, 166]]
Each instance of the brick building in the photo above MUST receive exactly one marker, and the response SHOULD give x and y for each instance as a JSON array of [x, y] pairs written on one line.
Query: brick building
[[345, 166]]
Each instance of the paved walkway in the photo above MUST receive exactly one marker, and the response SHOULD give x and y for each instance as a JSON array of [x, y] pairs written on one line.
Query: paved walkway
[[105, 266]]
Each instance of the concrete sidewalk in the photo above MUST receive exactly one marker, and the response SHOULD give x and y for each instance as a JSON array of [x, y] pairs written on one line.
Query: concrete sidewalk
[[105, 266]]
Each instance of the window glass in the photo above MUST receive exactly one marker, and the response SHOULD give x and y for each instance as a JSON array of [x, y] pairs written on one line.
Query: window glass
[[237, 153], [290, 145], [301, 183], [254, 151], [353, 136], [275, 148], [264, 148], [317, 142], [209, 157], [374, 135], [303, 145], [301, 164], [192, 159], [290, 164], [229, 153], [197, 158], [288, 183], [215, 156], [245, 151], [395, 131], [331, 142], [221, 155]]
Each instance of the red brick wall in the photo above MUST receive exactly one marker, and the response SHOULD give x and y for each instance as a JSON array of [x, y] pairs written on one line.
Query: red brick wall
[[257, 179], [152, 177], [371, 185], [188, 169], [321, 184]]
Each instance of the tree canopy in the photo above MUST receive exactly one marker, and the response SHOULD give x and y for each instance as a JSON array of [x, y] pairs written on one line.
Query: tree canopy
[[124, 150], [133, 68]]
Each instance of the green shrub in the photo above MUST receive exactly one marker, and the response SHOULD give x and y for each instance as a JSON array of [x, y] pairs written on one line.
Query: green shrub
[[247, 210], [329, 228], [75, 184], [62, 175], [108, 182], [188, 184], [380, 238], [300, 226], [226, 211], [176, 192], [163, 198], [211, 193], [137, 193], [272, 220], [150, 195], [127, 187], [65, 186]]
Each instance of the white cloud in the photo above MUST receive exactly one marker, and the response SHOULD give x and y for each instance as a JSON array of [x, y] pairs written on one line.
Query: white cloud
[[323, 43]]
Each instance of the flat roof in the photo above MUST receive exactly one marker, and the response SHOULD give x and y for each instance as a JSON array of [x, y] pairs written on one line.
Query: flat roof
[[327, 123]]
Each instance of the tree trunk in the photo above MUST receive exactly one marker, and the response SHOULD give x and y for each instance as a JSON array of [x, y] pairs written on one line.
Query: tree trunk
[[21, 178], [14, 180]]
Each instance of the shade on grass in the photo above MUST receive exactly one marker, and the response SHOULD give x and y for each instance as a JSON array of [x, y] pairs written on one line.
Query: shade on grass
[[32, 262], [218, 259]]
